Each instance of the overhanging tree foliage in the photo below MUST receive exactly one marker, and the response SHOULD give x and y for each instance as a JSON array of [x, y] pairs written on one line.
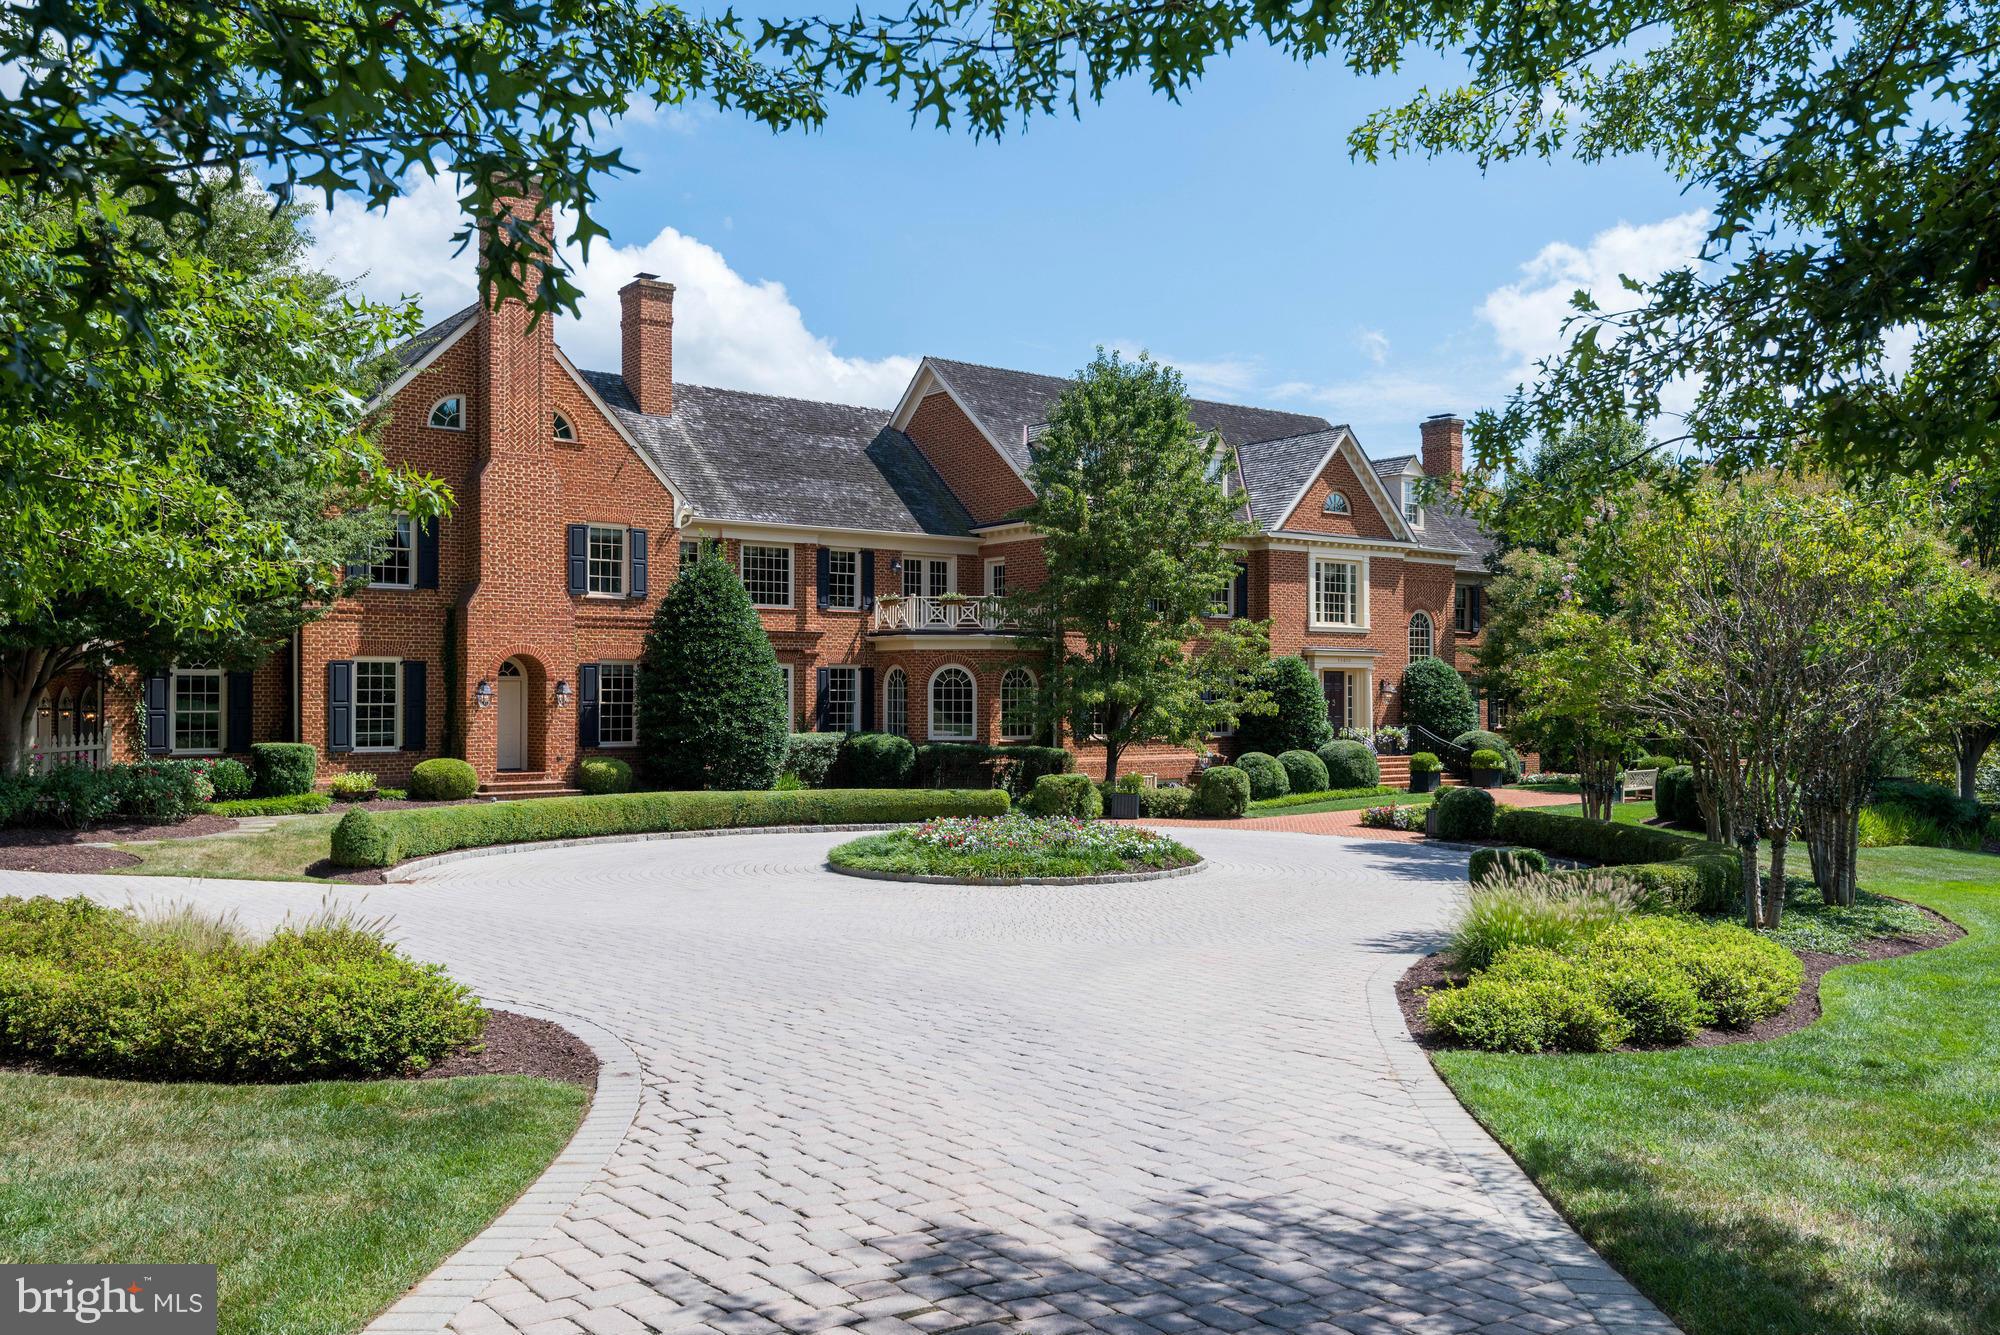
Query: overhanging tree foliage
[[1134, 529]]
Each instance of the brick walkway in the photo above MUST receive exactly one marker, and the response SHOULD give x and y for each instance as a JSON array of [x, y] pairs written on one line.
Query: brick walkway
[[1348, 823], [1144, 1109]]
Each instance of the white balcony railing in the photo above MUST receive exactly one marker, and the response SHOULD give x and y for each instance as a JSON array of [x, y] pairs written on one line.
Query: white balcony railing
[[955, 613]]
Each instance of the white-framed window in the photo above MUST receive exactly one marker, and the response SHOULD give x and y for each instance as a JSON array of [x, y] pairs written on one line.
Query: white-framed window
[[954, 705], [1411, 510], [767, 574], [1421, 638], [378, 704], [194, 711], [841, 709], [563, 430], [791, 708], [1225, 600], [929, 576], [1336, 504], [605, 573], [1336, 592], [843, 580], [618, 704], [1461, 609], [448, 414], [690, 551], [996, 578], [1017, 704], [896, 702], [393, 563]]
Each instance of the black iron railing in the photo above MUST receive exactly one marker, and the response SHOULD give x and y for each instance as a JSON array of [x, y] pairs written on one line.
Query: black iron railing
[[1456, 758]]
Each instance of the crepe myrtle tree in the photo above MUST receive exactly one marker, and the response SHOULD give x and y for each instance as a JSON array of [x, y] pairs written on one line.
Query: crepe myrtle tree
[[1135, 529], [1578, 687]]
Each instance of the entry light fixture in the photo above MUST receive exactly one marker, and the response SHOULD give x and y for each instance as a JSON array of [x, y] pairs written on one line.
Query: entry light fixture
[[484, 695], [562, 695]]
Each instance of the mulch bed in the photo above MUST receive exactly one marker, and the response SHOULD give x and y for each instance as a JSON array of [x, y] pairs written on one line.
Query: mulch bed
[[1429, 974], [72, 858], [30, 848]]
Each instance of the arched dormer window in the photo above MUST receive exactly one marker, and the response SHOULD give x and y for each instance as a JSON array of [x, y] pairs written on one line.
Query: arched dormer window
[[1336, 504], [448, 414], [564, 431]]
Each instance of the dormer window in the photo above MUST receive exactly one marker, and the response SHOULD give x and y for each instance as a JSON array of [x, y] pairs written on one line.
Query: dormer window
[[1411, 510], [1336, 504], [449, 414], [563, 430]]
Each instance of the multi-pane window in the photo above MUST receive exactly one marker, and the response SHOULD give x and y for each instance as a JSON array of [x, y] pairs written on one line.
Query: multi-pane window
[[952, 716], [449, 414], [841, 710], [767, 574], [377, 703], [1420, 636], [197, 710], [393, 559], [563, 430], [1335, 589], [607, 560], [843, 579], [1336, 503], [1411, 510], [896, 703], [1225, 600], [1461, 609], [617, 704], [785, 679], [996, 579], [1017, 704], [926, 577]]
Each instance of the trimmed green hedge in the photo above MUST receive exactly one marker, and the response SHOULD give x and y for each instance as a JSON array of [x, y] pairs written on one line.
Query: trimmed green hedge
[[598, 775], [444, 779], [1670, 870], [963, 764], [1267, 776], [298, 804], [1071, 795], [382, 839], [1674, 797], [1465, 813], [284, 769], [1305, 772], [1222, 793]]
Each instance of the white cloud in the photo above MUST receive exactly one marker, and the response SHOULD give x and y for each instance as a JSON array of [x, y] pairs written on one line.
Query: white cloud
[[1374, 345], [729, 330]]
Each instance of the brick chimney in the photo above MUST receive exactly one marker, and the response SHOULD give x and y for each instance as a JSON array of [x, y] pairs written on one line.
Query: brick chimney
[[516, 349], [646, 328], [1444, 449]]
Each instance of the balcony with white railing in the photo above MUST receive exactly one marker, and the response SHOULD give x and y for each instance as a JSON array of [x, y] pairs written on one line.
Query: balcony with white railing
[[951, 613]]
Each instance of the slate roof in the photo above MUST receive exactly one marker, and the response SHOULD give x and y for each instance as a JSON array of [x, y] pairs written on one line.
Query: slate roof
[[1446, 524], [763, 459], [1274, 471], [412, 351]]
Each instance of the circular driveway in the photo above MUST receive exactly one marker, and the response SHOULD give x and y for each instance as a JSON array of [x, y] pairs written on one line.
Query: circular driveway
[[1140, 1109]]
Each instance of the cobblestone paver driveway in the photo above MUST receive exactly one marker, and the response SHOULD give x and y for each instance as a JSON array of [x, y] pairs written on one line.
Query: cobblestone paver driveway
[[1142, 1109]]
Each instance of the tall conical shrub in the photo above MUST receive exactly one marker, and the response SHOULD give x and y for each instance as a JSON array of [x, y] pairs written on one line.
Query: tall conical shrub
[[711, 703]]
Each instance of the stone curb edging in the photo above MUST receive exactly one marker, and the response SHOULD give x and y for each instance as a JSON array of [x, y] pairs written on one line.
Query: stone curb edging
[[465, 1274], [1111, 878], [1616, 1304], [404, 871]]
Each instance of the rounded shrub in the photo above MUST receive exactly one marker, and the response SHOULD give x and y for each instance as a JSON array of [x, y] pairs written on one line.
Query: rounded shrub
[[1739, 976], [1436, 697], [1478, 739], [604, 774], [1073, 795], [1661, 1006], [1661, 763], [283, 769], [444, 779], [1464, 813], [811, 756], [360, 840], [1298, 719], [1305, 772], [1493, 863], [1487, 758], [230, 779], [1267, 776], [1675, 798], [1426, 762], [876, 760], [1223, 793], [1350, 765], [1166, 803]]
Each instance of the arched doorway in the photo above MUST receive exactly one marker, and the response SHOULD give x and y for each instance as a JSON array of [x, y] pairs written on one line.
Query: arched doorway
[[513, 719]]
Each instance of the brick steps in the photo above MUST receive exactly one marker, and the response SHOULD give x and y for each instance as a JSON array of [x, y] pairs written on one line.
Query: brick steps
[[525, 783], [1396, 772]]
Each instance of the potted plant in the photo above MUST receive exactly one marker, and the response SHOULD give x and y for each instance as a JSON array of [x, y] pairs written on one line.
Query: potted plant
[[1393, 740], [1426, 772], [1123, 801], [1488, 767]]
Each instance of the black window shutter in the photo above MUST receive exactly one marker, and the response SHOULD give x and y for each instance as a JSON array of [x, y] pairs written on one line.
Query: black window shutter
[[1241, 596], [416, 699], [236, 688], [638, 563], [867, 580], [820, 676], [427, 554], [157, 686], [340, 706], [825, 578], [579, 558], [868, 699], [1478, 596], [586, 704]]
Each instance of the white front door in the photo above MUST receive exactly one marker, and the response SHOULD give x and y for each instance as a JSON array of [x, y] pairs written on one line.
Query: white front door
[[513, 717]]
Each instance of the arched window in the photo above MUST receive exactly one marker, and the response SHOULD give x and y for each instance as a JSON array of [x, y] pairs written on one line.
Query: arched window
[[896, 702], [1420, 636], [1336, 503], [564, 431], [1017, 704], [953, 706], [448, 414]]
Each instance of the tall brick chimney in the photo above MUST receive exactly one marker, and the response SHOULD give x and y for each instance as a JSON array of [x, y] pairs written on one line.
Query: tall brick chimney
[[1444, 449], [646, 328]]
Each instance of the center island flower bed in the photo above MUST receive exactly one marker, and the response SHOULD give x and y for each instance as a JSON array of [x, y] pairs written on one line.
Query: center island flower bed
[[1013, 848]]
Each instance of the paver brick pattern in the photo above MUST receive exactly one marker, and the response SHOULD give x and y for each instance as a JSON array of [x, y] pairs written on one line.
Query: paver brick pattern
[[1137, 1109]]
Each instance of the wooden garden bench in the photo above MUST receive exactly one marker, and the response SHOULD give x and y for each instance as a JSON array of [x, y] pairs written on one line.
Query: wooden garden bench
[[1638, 781]]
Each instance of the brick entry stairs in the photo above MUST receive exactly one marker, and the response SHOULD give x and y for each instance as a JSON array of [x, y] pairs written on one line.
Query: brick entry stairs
[[525, 783], [1396, 772]]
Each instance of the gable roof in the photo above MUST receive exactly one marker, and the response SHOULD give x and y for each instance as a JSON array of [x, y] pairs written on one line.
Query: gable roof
[[1276, 472], [757, 458], [419, 345], [1446, 524]]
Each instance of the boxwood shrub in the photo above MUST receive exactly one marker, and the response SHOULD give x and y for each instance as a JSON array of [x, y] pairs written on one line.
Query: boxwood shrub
[[1478, 739], [1674, 798], [1223, 793], [810, 755], [1669, 870], [1266, 775], [282, 769], [1349, 764], [1489, 863], [298, 804], [1465, 813], [1166, 803], [1071, 795], [603, 774], [382, 839], [1304, 772], [229, 778], [1437, 698], [443, 779], [875, 760]]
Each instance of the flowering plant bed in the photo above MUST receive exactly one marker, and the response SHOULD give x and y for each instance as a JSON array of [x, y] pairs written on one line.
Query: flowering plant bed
[[1408, 817], [1011, 848]]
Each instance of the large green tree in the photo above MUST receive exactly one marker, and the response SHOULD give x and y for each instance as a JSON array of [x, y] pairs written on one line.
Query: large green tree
[[1135, 529], [194, 494]]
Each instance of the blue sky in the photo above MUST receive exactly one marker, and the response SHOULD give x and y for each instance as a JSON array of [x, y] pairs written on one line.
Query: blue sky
[[1229, 234]]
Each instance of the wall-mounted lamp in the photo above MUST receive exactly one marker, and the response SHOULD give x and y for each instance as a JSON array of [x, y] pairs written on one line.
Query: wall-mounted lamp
[[895, 565], [562, 695], [1388, 687], [484, 694]]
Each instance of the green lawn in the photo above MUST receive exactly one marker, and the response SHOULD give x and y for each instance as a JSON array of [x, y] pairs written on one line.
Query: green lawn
[[320, 1203], [282, 853], [1844, 1179], [1291, 807]]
